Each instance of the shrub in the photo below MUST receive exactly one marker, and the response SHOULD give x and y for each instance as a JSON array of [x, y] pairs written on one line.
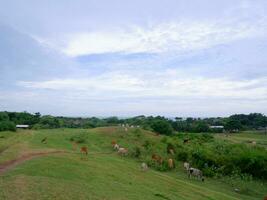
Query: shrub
[[182, 155], [7, 126], [147, 145], [136, 152], [162, 127], [164, 139], [80, 138], [137, 132]]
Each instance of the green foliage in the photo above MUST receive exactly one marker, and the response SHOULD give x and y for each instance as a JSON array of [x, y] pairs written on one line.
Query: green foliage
[[79, 138], [138, 133], [233, 125], [162, 127], [182, 155], [7, 126], [136, 152], [200, 127], [4, 116], [147, 145], [49, 122]]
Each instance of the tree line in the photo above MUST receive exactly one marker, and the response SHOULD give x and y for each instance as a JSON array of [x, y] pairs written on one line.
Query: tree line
[[159, 124]]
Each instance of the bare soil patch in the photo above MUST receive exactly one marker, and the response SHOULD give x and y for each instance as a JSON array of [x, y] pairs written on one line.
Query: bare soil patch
[[12, 163]]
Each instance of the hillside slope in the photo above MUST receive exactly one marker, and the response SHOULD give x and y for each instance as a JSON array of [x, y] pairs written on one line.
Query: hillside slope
[[101, 175]]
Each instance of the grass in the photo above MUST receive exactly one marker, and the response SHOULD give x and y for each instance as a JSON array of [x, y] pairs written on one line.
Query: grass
[[246, 137], [103, 174]]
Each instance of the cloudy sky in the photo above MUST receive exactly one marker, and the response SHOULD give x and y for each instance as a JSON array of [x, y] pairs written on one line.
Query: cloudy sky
[[121, 57]]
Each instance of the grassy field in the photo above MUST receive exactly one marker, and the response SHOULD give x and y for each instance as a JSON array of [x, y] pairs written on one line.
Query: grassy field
[[246, 137], [103, 174]]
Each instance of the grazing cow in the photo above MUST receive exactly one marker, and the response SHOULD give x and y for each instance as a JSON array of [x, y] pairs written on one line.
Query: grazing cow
[[113, 142], [186, 141], [186, 166], [44, 140], [116, 147], [196, 173], [123, 151], [126, 129], [84, 150], [144, 167], [253, 142], [157, 158], [171, 163]]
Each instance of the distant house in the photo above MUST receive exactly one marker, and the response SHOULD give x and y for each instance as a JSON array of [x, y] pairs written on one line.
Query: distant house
[[23, 126], [217, 127]]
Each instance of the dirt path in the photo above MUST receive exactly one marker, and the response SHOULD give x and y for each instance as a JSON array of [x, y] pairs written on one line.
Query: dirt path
[[12, 163]]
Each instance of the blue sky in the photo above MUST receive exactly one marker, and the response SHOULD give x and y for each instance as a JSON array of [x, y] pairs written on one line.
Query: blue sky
[[103, 58]]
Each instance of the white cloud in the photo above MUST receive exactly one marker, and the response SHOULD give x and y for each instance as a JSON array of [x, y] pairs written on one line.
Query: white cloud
[[174, 36], [155, 84]]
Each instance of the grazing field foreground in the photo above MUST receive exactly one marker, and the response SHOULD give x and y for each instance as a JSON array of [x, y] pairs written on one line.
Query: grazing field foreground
[[46, 164]]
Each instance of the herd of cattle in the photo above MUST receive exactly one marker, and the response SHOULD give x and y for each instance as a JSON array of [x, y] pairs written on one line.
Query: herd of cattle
[[192, 172]]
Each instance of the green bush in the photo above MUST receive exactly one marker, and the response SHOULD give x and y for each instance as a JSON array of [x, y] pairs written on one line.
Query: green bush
[[147, 145], [79, 138], [162, 127], [135, 152], [7, 126], [182, 155]]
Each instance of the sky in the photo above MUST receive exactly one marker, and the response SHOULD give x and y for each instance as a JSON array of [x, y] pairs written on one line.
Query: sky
[[200, 58]]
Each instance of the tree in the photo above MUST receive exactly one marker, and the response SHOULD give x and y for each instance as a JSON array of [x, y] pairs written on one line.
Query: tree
[[7, 126], [233, 125], [4, 116], [200, 127], [162, 127], [49, 122]]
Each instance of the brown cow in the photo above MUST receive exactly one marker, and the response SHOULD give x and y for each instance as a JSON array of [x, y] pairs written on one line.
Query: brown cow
[[84, 150], [171, 163], [157, 158], [113, 142], [265, 198]]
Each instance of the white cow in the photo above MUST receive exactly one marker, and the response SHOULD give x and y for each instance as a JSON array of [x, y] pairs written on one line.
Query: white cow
[[122, 151], [144, 167], [186, 166], [116, 147]]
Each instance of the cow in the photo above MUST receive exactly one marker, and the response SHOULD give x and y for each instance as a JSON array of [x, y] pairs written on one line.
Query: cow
[[254, 143], [122, 151], [196, 173], [84, 150], [113, 142], [170, 163], [265, 198], [116, 147], [157, 158], [186, 166], [144, 167]]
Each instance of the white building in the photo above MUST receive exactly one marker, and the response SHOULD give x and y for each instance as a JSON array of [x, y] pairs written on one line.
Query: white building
[[217, 127], [22, 126]]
